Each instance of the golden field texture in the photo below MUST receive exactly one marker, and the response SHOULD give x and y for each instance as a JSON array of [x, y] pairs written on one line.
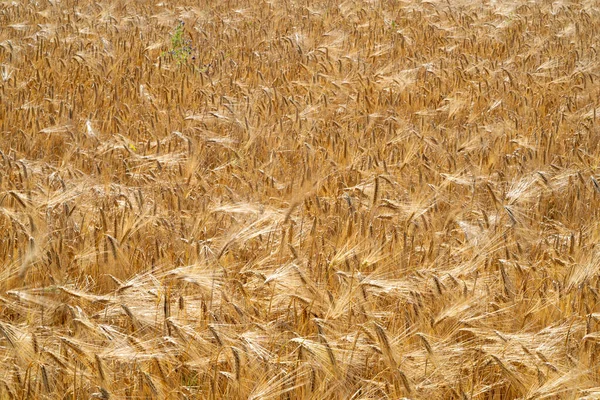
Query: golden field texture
[[299, 199]]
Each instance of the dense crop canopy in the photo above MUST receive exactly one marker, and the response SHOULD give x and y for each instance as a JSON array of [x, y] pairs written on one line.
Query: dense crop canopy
[[296, 199]]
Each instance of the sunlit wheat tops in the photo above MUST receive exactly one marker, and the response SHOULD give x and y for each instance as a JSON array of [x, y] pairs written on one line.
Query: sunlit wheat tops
[[299, 200]]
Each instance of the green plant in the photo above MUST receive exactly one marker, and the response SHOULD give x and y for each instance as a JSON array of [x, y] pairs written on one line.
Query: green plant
[[181, 47]]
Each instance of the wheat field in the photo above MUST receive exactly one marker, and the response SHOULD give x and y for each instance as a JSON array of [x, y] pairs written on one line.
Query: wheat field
[[293, 199]]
